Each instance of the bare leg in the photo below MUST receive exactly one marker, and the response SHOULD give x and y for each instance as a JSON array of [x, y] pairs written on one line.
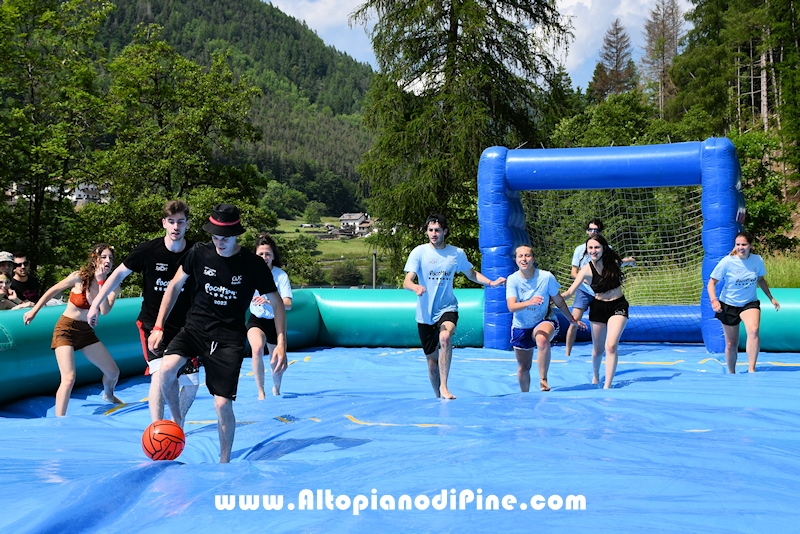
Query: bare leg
[[155, 400], [101, 358], [65, 356], [752, 319], [227, 427], [445, 357], [572, 331], [598, 339], [170, 365], [257, 339], [543, 333], [616, 324], [433, 371], [186, 399], [277, 377], [732, 346], [524, 362]]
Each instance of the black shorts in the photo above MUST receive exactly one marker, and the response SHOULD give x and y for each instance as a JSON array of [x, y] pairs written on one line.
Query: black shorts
[[265, 325], [600, 311], [730, 315], [429, 333], [222, 360], [192, 365]]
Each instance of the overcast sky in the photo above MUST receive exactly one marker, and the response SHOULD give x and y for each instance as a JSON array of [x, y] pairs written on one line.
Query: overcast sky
[[590, 19]]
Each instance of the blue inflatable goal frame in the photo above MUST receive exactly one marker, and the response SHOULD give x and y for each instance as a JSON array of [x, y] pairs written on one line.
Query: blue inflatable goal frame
[[503, 173]]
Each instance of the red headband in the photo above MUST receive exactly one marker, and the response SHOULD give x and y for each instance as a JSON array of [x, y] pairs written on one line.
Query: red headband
[[220, 223]]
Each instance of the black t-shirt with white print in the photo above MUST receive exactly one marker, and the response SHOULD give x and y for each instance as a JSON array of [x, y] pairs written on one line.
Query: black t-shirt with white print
[[223, 289], [158, 265]]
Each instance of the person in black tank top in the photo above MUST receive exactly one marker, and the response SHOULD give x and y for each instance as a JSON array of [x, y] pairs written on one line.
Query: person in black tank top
[[608, 312]]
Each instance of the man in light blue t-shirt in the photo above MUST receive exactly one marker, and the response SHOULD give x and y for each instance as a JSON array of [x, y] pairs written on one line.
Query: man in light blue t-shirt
[[434, 265]]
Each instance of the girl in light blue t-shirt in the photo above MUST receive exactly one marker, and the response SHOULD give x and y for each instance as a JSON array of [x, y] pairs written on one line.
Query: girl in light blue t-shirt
[[529, 292], [741, 272]]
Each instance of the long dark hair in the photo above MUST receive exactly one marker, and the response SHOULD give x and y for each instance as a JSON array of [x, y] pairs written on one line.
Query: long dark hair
[[612, 262], [88, 270], [266, 239]]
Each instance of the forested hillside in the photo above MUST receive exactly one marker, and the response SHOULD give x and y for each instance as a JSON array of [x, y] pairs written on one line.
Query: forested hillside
[[309, 114]]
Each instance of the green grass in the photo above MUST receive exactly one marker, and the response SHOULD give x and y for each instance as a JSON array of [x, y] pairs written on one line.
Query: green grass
[[782, 270]]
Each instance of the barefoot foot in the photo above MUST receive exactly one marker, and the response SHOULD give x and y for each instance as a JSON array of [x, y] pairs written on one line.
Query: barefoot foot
[[261, 394], [445, 394], [543, 384], [113, 398], [276, 390]]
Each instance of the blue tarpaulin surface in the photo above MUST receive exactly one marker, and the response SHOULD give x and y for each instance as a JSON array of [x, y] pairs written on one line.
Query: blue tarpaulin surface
[[677, 445]]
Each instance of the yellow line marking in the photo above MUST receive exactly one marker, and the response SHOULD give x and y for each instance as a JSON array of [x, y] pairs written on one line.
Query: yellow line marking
[[291, 362], [782, 364], [704, 360], [356, 421], [283, 419], [307, 358], [315, 419], [115, 408]]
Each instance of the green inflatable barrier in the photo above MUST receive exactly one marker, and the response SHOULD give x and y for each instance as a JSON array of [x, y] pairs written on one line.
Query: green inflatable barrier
[[28, 364], [385, 318], [777, 331], [319, 317]]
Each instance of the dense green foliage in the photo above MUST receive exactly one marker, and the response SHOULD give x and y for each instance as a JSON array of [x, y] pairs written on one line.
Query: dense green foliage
[[231, 100], [309, 111], [455, 78]]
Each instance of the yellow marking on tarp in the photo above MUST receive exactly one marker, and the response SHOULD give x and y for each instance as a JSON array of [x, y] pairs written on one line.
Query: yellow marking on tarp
[[115, 408], [291, 362], [782, 364], [315, 419], [283, 419], [307, 359], [356, 421], [704, 360]]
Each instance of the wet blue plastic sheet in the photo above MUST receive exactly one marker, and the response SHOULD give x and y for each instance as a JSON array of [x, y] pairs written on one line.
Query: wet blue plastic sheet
[[677, 446]]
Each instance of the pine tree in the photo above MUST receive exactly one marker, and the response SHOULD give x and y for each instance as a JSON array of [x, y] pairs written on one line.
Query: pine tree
[[618, 72]]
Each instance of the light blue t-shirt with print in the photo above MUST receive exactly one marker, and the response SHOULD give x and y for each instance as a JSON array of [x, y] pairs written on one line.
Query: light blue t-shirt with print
[[542, 284], [265, 311], [740, 276], [581, 258], [435, 270]]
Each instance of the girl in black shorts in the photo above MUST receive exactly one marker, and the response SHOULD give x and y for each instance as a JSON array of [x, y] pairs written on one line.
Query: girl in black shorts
[[608, 312], [261, 325]]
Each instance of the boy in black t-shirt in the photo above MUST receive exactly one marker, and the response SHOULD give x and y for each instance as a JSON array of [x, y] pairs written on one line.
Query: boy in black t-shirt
[[225, 277], [158, 261], [24, 284]]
